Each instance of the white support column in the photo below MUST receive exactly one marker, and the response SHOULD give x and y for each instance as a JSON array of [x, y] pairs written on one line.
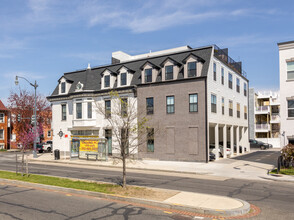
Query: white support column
[[246, 139], [237, 140], [216, 141], [232, 140], [242, 140], [225, 140], [208, 142]]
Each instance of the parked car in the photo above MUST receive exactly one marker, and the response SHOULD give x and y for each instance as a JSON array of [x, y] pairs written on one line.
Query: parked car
[[220, 150], [48, 146], [40, 148], [211, 156], [235, 147], [259, 144]]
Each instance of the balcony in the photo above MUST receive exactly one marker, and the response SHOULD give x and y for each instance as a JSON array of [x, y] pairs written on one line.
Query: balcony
[[84, 123], [262, 127], [274, 101], [262, 110], [275, 119]]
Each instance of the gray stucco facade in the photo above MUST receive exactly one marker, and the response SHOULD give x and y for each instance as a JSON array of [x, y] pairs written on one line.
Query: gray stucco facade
[[182, 134]]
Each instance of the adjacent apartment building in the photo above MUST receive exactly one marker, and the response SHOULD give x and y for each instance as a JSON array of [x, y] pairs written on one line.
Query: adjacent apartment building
[[264, 119], [286, 60], [4, 127], [198, 96]]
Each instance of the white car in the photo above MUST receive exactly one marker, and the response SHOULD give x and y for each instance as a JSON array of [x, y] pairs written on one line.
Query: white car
[[48, 146], [220, 150]]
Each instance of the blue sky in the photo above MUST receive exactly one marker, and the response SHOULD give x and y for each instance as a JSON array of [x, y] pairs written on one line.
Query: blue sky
[[42, 39]]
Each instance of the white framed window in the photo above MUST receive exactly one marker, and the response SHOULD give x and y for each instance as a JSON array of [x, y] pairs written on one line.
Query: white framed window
[[214, 71], [290, 70], [148, 75], [169, 72], [107, 81], [1, 146], [2, 118], [170, 104], [223, 105], [223, 76], [79, 112], [245, 89], [63, 112], [89, 110], [230, 81], [123, 79], [192, 69], [63, 87], [193, 102], [1, 134], [238, 85], [230, 108], [291, 108], [213, 103]]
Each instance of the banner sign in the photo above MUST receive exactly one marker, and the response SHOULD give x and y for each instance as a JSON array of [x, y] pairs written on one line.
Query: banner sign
[[89, 145]]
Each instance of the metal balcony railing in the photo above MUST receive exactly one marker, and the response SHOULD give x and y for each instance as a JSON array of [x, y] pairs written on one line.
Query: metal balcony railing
[[275, 118], [262, 109], [223, 55], [263, 127]]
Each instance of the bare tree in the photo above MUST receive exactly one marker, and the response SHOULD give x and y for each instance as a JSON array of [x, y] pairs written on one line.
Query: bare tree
[[129, 130], [21, 104]]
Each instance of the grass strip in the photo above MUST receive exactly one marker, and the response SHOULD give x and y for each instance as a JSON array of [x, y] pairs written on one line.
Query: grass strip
[[62, 182], [286, 171]]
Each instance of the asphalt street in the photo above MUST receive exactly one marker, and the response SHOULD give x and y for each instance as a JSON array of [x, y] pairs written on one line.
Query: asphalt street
[[276, 199], [29, 203]]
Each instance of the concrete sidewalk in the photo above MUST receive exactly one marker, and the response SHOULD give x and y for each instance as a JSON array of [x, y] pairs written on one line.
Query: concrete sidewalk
[[223, 168]]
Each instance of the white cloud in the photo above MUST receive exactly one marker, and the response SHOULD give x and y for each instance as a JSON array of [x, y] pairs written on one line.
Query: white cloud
[[137, 16]]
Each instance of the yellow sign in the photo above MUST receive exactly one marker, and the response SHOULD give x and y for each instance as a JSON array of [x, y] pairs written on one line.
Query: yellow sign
[[89, 145]]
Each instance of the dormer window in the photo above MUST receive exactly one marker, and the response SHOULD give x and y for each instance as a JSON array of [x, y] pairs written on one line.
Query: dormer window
[[124, 76], [63, 87], [148, 75], [123, 79], [193, 65], [107, 81], [191, 69], [169, 72]]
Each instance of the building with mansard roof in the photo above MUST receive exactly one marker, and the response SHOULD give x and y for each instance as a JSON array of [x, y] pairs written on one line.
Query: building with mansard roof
[[199, 96]]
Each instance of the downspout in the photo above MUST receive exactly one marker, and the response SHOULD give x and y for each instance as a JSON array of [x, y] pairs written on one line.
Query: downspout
[[206, 120]]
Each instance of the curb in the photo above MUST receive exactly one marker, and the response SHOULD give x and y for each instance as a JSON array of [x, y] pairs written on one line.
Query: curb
[[276, 178], [132, 168], [227, 213]]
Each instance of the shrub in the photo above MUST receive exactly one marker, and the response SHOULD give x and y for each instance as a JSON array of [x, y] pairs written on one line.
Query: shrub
[[288, 155]]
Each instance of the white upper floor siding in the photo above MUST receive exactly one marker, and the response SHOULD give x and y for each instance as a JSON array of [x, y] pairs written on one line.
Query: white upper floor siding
[[286, 60], [225, 84]]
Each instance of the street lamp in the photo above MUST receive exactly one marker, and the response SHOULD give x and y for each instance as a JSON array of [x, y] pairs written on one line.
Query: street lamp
[[35, 111]]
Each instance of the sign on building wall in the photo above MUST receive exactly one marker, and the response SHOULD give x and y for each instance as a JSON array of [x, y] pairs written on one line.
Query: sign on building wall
[[89, 145]]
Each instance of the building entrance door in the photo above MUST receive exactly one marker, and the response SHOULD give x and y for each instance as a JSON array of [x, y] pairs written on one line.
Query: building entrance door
[[75, 147]]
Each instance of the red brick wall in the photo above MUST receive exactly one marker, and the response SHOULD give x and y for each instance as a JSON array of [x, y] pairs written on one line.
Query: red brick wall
[[4, 126]]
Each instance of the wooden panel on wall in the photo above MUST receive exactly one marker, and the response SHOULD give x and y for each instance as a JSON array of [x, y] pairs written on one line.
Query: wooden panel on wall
[[193, 140], [170, 140]]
